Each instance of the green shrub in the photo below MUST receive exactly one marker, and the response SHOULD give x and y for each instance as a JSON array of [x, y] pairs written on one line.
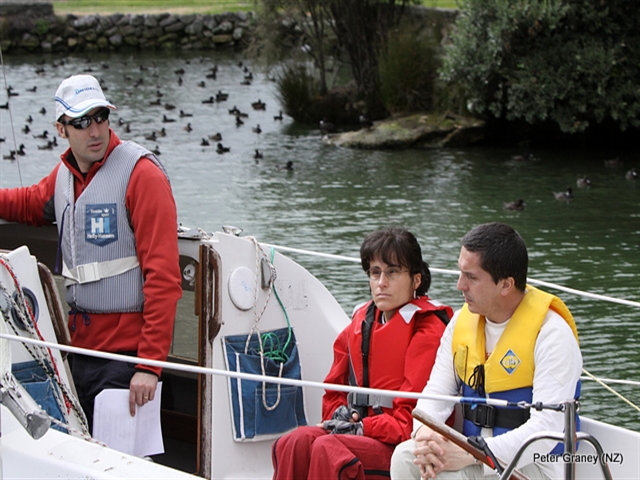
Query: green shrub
[[296, 90], [408, 71], [572, 63]]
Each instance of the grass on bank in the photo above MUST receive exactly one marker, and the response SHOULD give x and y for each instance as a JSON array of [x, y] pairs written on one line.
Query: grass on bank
[[106, 7]]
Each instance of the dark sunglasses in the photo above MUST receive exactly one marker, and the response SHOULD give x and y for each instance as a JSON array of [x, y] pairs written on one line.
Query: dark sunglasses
[[83, 123]]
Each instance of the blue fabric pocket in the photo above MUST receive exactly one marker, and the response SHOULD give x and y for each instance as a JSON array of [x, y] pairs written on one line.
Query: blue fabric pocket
[[263, 410], [41, 388]]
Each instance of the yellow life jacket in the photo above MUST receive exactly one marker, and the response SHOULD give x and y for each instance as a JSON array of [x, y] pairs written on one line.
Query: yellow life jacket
[[510, 365]]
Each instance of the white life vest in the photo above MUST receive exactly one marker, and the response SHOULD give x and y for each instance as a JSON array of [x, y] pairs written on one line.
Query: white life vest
[[97, 243]]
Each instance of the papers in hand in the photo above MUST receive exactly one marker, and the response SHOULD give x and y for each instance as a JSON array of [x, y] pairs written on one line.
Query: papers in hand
[[113, 424]]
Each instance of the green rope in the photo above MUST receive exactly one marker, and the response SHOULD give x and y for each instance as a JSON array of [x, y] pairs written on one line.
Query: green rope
[[270, 342]]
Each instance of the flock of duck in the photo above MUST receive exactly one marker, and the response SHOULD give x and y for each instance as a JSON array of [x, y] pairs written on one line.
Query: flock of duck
[[51, 140], [214, 139], [161, 98], [582, 181]]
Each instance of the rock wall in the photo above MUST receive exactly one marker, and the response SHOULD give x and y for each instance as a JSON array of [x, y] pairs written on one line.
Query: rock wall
[[32, 26]]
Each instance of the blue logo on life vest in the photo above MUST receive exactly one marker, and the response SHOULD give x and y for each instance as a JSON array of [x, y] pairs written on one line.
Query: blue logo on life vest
[[510, 362], [101, 224]]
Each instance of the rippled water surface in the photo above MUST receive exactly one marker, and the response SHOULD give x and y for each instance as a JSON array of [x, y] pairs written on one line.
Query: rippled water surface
[[333, 196]]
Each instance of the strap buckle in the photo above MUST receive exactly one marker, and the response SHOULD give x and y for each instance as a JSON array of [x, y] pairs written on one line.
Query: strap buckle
[[357, 399], [482, 415], [88, 272], [360, 401]]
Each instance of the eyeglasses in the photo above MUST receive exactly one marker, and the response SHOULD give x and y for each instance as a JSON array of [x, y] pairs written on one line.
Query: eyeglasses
[[83, 123], [392, 273]]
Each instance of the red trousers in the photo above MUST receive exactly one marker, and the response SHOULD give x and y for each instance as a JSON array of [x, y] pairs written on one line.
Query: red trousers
[[311, 453]]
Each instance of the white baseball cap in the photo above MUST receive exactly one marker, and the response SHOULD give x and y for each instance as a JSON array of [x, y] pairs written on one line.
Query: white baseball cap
[[79, 94]]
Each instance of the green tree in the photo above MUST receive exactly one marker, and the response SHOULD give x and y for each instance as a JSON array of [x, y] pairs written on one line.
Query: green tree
[[293, 29], [569, 63], [362, 27], [359, 27], [408, 67]]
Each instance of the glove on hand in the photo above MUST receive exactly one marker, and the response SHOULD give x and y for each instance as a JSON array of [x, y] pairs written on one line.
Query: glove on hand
[[342, 427], [344, 413]]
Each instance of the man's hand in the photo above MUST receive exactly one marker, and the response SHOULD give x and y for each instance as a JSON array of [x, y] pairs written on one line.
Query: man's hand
[[142, 389], [435, 454]]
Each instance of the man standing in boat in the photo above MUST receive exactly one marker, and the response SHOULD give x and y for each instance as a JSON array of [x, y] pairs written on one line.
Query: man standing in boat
[[509, 341], [118, 248], [390, 344]]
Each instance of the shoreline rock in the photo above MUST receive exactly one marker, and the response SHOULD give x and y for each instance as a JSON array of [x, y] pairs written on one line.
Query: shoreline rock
[[419, 130]]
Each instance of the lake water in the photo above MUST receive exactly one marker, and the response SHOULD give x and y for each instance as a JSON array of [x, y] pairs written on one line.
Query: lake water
[[333, 196]]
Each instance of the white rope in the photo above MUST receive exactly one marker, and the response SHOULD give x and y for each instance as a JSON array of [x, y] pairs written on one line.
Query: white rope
[[533, 281], [611, 380], [595, 296], [312, 253], [259, 256], [250, 376], [247, 376]]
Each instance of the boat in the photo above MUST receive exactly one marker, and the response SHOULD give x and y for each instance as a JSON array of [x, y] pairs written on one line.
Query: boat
[[238, 287]]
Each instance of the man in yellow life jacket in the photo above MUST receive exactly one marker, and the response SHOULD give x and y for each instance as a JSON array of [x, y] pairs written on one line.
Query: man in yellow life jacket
[[509, 341]]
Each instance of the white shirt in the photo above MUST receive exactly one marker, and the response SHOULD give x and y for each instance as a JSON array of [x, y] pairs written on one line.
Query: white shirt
[[558, 365]]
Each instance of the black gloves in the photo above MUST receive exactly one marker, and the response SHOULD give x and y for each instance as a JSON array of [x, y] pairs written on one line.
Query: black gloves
[[343, 422], [340, 426], [345, 414]]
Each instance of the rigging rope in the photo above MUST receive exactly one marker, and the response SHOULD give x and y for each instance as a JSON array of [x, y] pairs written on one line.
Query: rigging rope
[[13, 131], [533, 281], [253, 376], [42, 355], [250, 376], [601, 382], [284, 310]]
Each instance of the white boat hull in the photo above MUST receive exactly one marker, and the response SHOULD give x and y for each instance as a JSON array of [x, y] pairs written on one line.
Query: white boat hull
[[58, 455], [621, 450]]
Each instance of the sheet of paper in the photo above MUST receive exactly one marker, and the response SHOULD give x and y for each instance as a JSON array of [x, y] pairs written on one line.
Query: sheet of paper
[[113, 425]]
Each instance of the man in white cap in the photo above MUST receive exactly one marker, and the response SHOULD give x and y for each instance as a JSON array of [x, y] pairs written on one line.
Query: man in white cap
[[117, 224]]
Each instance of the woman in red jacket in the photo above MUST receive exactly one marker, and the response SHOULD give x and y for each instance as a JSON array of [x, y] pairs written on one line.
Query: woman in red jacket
[[390, 344]]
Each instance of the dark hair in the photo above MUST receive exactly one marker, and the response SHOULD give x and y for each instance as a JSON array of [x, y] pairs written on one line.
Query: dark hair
[[396, 246], [502, 252]]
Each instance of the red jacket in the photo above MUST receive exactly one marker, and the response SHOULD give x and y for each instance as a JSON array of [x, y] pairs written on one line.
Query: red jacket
[[401, 356], [153, 216]]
